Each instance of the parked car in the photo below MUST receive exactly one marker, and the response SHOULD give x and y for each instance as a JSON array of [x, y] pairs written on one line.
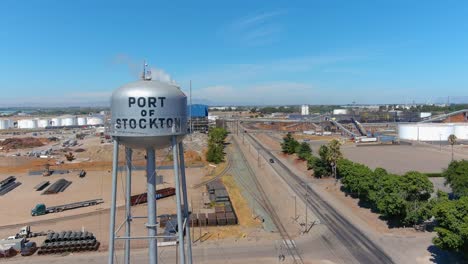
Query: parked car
[[272, 161]]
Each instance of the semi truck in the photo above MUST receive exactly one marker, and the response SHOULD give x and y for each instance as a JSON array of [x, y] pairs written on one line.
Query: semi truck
[[41, 209]]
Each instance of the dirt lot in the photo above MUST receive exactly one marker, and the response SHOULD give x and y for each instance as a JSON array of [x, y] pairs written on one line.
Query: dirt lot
[[402, 158]]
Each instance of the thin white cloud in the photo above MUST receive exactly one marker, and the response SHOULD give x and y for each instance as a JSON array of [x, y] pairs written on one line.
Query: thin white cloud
[[255, 30], [262, 71]]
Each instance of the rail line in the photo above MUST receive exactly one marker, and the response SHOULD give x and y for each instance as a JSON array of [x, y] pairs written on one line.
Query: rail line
[[226, 169], [263, 200], [358, 244]]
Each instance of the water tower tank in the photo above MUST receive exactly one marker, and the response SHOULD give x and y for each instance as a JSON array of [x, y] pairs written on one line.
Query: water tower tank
[[148, 113]]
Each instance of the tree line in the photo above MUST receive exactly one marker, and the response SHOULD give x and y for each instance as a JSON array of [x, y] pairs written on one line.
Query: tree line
[[403, 200], [215, 152]]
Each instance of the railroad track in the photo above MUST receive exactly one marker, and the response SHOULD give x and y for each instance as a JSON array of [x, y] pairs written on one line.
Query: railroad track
[[224, 171], [357, 243], [263, 200]]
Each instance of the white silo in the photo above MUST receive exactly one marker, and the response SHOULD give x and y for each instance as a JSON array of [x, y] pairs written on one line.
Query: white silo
[[461, 131], [27, 123], [81, 121], [305, 110], [5, 123], [68, 120], [95, 120], [408, 131], [55, 122], [150, 115], [42, 123]]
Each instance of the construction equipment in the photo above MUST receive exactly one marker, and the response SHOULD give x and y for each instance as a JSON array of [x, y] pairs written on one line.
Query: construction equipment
[[41, 209]]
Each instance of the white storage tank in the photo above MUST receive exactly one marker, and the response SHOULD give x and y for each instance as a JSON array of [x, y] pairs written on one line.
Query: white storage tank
[[435, 132], [81, 121], [408, 131], [461, 131], [340, 111], [430, 132], [95, 120], [56, 122], [42, 123], [68, 121], [5, 123], [27, 123]]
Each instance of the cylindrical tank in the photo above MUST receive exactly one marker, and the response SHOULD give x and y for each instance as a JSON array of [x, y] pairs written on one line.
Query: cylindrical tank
[[56, 122], [95, 120], [68, 120], [148, 113], [435, 132], [426, 132], [461, 131], [5, 123], [340, 111], [42, 123], [408, 131], [27, 123], [81, 121]]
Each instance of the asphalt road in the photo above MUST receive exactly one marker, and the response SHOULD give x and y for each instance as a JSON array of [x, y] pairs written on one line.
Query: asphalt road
[[358, 244]]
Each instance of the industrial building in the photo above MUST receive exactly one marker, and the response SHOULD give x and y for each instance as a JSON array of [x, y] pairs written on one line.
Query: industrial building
[[198, 117]]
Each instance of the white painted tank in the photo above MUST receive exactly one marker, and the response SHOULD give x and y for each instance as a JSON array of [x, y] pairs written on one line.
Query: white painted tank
[[435, 132], [461, 131], [340, 111], [81, 121], [27, 123], [408, 131], [42, 123], [95, 120], [5, 123], [69, 121], [429, 132], [56, 122]]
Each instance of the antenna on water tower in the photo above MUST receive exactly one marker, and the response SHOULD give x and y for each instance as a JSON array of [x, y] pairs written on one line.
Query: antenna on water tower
[[150, 115]]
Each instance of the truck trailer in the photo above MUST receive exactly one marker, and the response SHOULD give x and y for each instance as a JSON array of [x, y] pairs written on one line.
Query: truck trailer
[[41, 209]]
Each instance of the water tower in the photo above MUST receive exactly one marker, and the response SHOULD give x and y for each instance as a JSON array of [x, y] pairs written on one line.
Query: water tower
[[149, 115]]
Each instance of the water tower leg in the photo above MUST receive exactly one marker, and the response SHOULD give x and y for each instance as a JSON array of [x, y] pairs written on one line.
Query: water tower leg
[[151, 185], [128, 193], [115, 167], [178, 199], [186, 207]]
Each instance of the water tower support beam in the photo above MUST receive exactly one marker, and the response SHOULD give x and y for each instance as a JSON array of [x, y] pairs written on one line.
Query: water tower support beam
[[115, 167], [180, 227], [128, 194], [186, 207], [151, 185]]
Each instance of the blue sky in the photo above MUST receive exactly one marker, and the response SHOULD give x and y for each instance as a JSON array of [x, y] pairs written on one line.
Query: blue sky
[[235, 52]]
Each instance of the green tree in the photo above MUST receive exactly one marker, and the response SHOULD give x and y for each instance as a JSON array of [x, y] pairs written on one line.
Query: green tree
[[333, 154], [416, 186], [452, 139], [304, 151], [457, 176], [215, 152], [452, 230], [289, 144]]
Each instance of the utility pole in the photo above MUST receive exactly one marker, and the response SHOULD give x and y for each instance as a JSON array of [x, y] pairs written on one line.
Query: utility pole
[[190, 112], [258, 157]]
